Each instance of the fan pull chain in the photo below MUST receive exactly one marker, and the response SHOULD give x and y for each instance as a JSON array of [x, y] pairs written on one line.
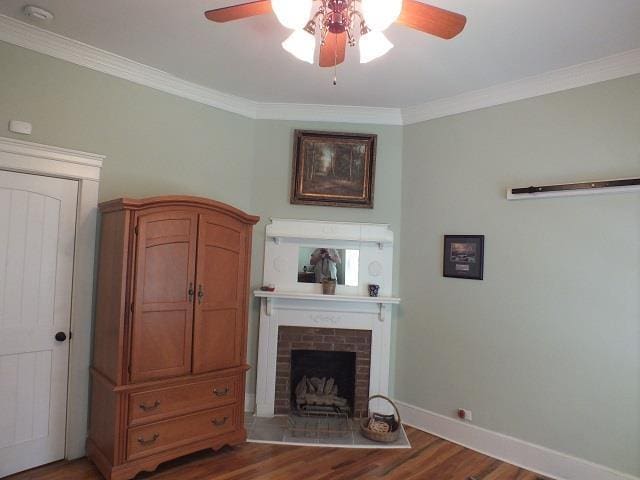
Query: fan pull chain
[[335, 63]]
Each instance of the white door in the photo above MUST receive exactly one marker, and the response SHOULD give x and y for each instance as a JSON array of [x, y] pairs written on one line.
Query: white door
[[37, 233]]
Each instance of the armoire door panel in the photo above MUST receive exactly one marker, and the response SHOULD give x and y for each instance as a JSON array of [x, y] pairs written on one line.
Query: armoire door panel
[[220, 276], [163, 309], [214, 344], [166, 275], [223, 236], [166, 334]]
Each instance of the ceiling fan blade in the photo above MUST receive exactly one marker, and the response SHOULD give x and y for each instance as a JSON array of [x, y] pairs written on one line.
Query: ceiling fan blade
[[333, 51], [432, 20], [237, 12]]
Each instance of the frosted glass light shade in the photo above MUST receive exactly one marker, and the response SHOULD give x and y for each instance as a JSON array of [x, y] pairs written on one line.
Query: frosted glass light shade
[[373, 45], [293, 14], [380, 14], [301, 45]]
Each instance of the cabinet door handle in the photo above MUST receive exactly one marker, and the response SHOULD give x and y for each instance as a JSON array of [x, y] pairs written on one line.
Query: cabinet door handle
[[219, 423], [221, 393], [191, 292], [142, 441], [148, 408], [200, 294]]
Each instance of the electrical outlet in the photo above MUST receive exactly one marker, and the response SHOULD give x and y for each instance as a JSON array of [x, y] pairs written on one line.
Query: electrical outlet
[[465, 415]]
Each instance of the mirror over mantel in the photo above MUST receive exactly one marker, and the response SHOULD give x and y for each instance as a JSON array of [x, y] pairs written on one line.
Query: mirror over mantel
[[299, 254]]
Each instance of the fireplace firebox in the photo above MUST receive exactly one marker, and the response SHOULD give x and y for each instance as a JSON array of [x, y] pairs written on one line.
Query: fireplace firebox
[[323, 353], [323, 382]]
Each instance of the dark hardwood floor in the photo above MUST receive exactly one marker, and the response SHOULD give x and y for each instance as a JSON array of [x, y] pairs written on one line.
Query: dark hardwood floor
[[430, 458]]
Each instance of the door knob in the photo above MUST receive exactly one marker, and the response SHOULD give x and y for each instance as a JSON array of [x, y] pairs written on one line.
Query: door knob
[[60, 336]]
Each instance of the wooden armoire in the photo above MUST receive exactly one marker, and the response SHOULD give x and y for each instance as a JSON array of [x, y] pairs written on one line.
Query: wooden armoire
[[170, 337]]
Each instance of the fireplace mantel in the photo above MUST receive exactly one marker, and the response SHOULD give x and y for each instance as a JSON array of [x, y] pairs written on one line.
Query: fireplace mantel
[[381, 302], [295, 304]]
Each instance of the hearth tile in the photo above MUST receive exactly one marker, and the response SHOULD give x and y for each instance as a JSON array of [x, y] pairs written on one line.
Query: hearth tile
[[291, 438], [266, 434], [269, 422], [249, 420], [342, 439]]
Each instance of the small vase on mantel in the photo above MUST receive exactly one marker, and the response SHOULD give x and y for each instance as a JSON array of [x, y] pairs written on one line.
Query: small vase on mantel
[[329, 287]]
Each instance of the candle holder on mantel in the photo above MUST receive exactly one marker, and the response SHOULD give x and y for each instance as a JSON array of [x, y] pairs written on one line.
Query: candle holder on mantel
[[329, 286]]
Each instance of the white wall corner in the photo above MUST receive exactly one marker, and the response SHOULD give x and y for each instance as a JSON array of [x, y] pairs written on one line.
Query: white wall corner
[[535, 458], [607, 68]]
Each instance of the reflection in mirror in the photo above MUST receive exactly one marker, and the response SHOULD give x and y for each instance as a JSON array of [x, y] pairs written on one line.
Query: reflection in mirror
[[316, 264]]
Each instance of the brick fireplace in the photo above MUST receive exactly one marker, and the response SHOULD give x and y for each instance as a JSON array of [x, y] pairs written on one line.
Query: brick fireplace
[[296, 318], [322, 340]]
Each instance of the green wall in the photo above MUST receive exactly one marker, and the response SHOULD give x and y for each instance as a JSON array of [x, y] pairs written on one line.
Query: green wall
[[158, 144], [547, 347], [155, 143]]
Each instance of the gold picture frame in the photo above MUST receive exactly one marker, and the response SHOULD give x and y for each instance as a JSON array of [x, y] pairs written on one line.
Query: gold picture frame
[[333, 169]]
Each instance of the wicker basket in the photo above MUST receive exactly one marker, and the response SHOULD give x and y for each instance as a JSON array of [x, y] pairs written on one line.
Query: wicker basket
[[381, 436]]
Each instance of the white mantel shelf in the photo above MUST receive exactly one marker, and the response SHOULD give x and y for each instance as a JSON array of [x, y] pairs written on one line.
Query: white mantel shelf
[[320, 296], [382, 302]]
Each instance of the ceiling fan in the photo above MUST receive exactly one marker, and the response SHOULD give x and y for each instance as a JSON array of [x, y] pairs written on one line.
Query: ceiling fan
[[337, 23]]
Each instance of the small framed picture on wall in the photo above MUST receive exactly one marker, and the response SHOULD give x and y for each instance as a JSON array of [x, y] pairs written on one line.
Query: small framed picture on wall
[[463, 256]]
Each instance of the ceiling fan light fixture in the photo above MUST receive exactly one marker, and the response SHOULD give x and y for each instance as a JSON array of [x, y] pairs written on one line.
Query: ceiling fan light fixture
[[301, 45], [373, 45], [380, 14], [292, 14]]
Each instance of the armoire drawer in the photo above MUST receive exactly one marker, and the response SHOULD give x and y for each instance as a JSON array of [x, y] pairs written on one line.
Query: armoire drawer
[[159, 436], [154, 405]]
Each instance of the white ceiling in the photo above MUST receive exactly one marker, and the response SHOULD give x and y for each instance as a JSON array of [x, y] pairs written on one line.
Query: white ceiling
[[504, 41]]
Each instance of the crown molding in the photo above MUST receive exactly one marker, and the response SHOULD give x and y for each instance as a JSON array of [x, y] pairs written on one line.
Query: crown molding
[[607, 68], [52, 44], [57, 46], [329, 113]]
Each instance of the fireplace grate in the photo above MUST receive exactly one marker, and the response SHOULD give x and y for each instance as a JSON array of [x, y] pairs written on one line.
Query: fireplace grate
[[316, 424]]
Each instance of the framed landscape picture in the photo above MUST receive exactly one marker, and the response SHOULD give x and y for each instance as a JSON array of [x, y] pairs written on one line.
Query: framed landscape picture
[[333, 169], [463, 256]]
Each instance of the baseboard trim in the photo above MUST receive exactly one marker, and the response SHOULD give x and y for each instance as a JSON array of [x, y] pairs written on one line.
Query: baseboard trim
[[250, 402], [535, 458]]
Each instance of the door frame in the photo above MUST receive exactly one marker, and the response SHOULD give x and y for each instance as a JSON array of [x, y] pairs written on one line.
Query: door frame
[[27, 157]]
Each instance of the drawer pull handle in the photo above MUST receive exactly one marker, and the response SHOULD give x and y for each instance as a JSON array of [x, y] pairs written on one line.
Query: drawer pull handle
[[142, 441], [148, 408], [219, 423], [221, 393]]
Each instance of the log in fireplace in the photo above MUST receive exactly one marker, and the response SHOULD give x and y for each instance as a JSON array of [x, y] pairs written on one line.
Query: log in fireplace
[[323, 382]]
